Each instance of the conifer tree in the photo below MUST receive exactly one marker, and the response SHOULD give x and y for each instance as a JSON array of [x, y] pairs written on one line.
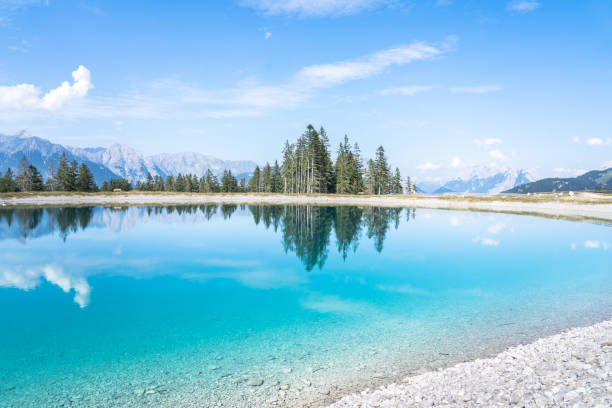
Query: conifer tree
[[266, 179], [255, 181], [36, 181], [7, 182], [396, 183], [85, 181]]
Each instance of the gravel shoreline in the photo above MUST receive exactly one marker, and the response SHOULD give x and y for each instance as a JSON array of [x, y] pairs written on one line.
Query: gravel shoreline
[[570, 369], [580, 206]]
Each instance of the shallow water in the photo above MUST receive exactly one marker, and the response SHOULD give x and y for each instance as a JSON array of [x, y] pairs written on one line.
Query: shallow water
[[183, 306]]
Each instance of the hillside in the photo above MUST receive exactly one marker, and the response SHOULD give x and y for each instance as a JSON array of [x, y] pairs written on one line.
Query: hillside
[[593, 180]]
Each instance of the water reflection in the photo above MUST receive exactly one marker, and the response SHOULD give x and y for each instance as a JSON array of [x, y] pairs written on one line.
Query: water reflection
[[305, 230]]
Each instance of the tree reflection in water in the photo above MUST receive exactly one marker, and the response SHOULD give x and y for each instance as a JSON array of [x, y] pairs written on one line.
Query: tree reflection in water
[[306, 230]]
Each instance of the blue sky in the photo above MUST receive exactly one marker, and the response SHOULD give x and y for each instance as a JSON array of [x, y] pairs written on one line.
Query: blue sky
[[443, 84]]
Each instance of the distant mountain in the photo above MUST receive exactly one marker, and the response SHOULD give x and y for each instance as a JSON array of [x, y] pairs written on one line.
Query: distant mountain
[[483, 180], [593, 180], [443, 190], [115, 161], [42, 153]]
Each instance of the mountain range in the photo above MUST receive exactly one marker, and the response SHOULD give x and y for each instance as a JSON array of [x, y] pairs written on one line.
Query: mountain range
[[117, 161], [593, 180], [481, 180]]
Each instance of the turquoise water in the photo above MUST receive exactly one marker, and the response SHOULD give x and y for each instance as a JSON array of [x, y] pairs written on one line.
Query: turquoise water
[[183, 306]]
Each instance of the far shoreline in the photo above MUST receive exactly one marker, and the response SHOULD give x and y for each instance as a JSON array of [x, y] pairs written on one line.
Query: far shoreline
[[579, 207]]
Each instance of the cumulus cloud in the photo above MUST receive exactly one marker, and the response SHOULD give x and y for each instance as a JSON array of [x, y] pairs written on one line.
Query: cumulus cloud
[[312, 7], [27, 96], [576, 140], [406, 90], [477, 89], [28, 279], [523, 6], [455, 162], [267, 35]]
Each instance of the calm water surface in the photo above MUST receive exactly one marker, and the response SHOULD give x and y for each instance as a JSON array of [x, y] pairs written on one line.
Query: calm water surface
[[184, 306]]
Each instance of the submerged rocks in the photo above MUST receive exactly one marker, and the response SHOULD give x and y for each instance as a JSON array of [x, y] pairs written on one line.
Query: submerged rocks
[[255, 382]]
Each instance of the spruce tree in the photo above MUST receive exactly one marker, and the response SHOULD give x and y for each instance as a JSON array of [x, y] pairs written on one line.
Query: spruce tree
[[85, 181], [36, 181], [396, 183], [267, 178], [255, 181], [7, 182]]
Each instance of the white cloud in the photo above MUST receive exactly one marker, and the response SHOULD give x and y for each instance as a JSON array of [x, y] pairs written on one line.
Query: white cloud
[[486, 241], [27, 96], [30, 278], [489, 141], [477, 89], [455, 162], [427, 166], [176, 99], [596, 244], [497, 155], [606, 165], [332, 74], [267, 35], [312, 7], [333, 304], [407, 90], [573, 245], [523, 6], [596, 141], [576, 140], [496, 228]]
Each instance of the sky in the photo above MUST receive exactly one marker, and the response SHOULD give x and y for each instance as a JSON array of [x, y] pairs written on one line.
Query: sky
[[443, 85]]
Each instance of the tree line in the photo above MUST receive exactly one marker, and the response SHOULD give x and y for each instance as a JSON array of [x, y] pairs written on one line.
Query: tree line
[[68, 176], [306, 168]]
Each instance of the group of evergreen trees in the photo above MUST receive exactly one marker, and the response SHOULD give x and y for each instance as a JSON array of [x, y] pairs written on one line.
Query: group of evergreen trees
[[67, 177], [188, 183], [307, 168]]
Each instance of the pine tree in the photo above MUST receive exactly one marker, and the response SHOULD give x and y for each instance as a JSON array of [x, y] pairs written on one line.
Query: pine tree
[[382, 172], [266, 179], [255, 181], [169, 184], [277, 178], [36, 181], [7, 182], [229, 183], [396, 183], [85, 181], [410, 188]]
